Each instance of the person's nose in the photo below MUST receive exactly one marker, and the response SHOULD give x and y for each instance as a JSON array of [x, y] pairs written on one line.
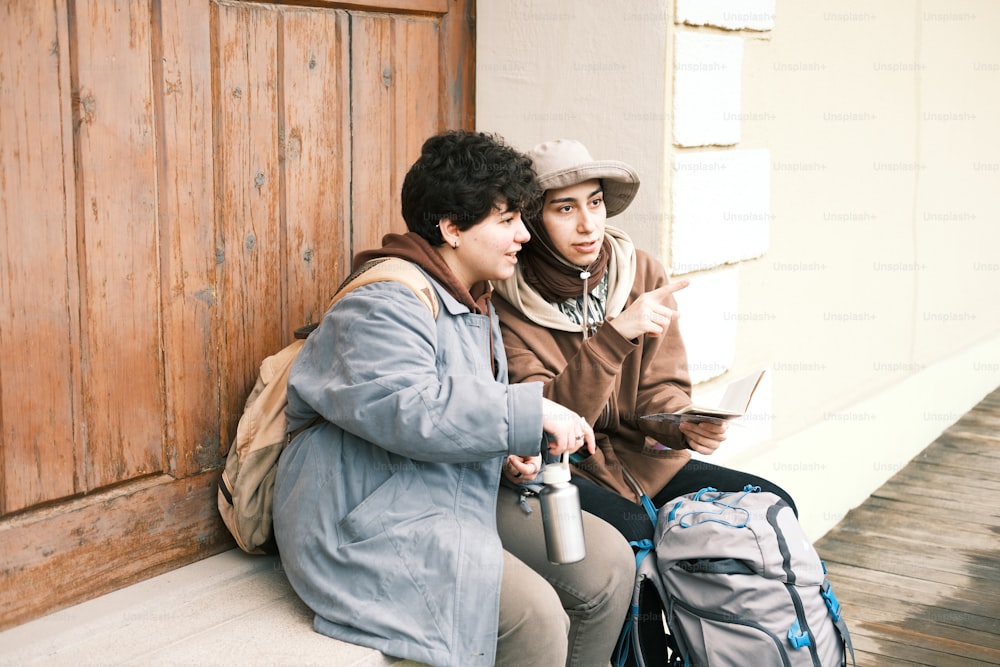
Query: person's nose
[[522, 234], [587, 221]]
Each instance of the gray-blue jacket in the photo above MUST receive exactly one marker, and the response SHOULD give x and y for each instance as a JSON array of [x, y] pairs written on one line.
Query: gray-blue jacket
[[385, 513]]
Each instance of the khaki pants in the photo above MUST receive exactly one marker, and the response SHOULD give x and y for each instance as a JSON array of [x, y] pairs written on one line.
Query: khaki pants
[[552, 615]]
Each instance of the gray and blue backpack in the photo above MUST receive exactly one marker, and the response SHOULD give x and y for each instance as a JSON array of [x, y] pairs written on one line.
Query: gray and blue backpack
[[731, 579]]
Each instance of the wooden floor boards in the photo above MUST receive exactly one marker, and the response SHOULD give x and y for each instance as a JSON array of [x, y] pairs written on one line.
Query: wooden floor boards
[[917, 566]]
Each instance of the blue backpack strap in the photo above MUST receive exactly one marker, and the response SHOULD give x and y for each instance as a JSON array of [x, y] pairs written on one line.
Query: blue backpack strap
[[650, 508], [623, 647], [642, 641], [834, 606], [643, 548]]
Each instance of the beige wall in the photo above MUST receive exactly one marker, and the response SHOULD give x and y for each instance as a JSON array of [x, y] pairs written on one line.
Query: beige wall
[[884, 131], [549, 70], [877, 302]]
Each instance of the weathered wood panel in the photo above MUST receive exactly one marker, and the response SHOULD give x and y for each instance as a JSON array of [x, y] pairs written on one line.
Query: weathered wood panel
[[457, 81], [316, 160], [71, 552], [417, 112], [117, 241], [38, 330], [246, 128], [385, 81], [393, 6], [175, 191], [182, 64]]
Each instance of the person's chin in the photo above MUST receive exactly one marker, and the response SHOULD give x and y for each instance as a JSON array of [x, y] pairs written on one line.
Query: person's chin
[[585, 260], [505, 272]]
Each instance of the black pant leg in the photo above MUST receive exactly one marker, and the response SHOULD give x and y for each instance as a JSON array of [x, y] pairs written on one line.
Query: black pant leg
[[630, 519], [697, 474]]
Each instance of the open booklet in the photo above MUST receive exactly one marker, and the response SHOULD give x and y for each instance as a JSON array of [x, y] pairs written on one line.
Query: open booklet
[[733, 405]]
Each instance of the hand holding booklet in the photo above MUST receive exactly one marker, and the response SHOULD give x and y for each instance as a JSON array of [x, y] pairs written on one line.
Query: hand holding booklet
[[733, 404]]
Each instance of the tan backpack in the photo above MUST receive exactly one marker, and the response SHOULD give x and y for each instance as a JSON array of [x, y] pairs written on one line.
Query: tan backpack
[[246, 486]]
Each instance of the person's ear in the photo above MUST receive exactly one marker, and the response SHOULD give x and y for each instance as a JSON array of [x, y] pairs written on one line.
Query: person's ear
[[449, 232]]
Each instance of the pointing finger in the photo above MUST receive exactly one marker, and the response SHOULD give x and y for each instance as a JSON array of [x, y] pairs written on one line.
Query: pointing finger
[[670, 288]]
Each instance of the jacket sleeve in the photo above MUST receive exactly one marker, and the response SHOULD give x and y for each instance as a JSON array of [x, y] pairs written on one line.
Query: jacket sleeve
[[372, 368], [664, 381], [584, 381]]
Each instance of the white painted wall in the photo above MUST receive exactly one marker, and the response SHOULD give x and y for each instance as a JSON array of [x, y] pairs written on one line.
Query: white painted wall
[[847, 237]]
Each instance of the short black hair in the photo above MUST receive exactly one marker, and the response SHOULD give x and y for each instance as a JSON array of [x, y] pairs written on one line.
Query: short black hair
[[462, 176]]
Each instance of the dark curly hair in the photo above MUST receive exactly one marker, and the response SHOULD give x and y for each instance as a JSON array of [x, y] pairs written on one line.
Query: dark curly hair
[[462, 176]]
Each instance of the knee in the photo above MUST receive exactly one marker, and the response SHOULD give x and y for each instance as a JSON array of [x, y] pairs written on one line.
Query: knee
[[610, 568], [539, 610], [601, 585], [781, 493], [535, 623]]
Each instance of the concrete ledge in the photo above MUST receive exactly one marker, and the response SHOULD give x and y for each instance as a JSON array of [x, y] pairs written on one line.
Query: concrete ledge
[[228, 609]]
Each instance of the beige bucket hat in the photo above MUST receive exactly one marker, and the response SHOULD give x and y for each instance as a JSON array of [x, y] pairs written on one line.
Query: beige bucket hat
[[564, 162]]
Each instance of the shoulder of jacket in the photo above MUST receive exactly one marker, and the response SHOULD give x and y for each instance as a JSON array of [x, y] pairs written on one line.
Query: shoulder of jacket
[[393, 269]]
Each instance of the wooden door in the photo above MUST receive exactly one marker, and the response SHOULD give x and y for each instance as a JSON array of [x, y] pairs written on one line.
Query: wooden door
[[182, 184]]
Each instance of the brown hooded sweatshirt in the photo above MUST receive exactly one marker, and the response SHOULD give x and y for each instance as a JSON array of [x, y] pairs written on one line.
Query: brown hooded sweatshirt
[[609, 380]]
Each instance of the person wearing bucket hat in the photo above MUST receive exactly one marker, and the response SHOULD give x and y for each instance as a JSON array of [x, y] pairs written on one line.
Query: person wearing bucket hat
[[593, 318]]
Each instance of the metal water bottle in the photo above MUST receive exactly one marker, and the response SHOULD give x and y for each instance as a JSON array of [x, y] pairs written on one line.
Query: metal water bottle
[[561, 517]]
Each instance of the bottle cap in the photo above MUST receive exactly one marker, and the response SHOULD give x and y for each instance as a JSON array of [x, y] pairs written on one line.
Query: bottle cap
[[555, 473]]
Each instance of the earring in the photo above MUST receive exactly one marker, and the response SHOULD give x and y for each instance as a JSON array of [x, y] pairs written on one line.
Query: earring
[[455, 245]]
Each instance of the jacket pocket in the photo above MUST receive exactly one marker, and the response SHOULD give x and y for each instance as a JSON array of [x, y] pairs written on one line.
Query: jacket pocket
[[658, 450], [400, 498], [402, 549]]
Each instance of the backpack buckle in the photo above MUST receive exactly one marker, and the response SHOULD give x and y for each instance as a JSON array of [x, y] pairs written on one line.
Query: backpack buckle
[[832, 603], [797, 638]]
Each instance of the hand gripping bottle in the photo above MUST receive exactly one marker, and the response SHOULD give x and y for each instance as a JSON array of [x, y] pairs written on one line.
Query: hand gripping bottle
[[561, 516]]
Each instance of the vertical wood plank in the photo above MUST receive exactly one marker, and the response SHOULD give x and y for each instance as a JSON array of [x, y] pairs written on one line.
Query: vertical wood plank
[[458, 66], [38, 323], [394, 111], [118, 240], [316, 125], [183, 78], [374, 181], [417, 98], [251, 273]]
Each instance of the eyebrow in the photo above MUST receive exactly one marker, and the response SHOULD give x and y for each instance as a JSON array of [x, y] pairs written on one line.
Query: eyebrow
[[565, 200]]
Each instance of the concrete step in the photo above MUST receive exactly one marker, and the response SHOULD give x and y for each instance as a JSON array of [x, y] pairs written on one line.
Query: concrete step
[[228, 609]]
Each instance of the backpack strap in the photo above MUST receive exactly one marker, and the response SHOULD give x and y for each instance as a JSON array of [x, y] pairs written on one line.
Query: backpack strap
[[635, 637], [382, 269], [838, 621], [643, 642], [396, 269]]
